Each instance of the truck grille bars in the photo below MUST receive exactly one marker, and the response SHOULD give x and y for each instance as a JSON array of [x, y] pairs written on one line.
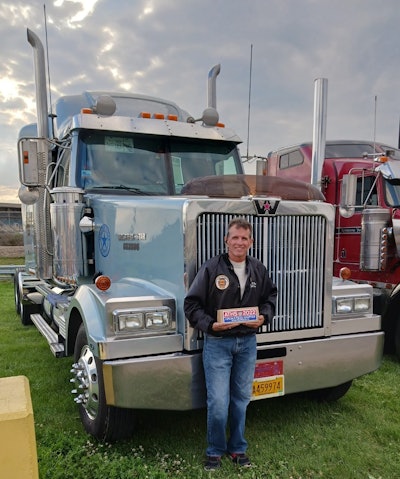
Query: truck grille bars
[[293, 250]]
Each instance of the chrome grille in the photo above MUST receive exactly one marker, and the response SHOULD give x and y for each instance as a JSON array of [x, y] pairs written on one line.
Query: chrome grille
[[293, 250]]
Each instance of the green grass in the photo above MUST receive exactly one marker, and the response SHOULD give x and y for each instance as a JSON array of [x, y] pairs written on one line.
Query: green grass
[[8, 261], [290, 438]]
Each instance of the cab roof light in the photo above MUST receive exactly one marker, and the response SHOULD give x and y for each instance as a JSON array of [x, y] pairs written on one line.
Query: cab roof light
[[86, 111], [145, 114], [220, 125], [158, 116], [172, 117]]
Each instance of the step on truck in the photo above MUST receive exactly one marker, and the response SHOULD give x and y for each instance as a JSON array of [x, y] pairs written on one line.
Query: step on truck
[[362, 180], [124, 197]]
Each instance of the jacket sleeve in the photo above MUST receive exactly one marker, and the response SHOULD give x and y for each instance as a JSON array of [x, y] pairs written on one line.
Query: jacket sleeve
[[267, 304], [195, 302]]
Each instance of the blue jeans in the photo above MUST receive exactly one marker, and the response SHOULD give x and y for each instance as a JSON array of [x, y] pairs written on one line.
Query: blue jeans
[[229, 364]]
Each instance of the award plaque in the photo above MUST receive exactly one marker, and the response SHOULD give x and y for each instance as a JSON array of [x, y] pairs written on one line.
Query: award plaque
[[238, 315]]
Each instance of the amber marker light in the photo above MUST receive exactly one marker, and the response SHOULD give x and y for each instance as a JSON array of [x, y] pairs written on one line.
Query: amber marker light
[[345, 273], [86, 111], [145, 114], [173, 117], [26, 157], [383, 159], [102, 283], [158, 116]]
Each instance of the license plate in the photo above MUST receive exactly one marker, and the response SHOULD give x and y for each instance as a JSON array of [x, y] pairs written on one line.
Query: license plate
[[268, 387]]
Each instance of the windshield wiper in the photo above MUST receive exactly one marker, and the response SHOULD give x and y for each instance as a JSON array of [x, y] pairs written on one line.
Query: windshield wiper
[[131, 189]]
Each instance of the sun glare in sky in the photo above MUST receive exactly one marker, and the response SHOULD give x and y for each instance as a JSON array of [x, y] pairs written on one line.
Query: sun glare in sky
[[87, 9]]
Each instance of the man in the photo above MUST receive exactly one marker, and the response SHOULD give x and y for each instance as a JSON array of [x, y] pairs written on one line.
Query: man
[[229, 280]]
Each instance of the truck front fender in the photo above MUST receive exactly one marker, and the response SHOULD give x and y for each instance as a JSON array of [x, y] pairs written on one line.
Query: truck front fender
[[95, 307]]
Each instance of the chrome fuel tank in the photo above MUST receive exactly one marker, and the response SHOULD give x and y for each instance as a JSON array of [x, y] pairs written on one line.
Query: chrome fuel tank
[[65, 213]]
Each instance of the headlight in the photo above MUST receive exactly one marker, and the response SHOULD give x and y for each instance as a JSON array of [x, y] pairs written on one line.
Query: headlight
[[348, 305], [362, 304], [142, 320], [158, 319], [344, 305], [130, 321]]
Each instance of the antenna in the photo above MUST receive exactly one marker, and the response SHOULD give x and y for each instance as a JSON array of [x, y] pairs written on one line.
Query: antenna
[[248, 116], [376, 101], [398, 140], [48, 69]]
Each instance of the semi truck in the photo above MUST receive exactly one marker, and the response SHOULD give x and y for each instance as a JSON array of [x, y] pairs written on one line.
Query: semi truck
[[362, 180], [124, 197]]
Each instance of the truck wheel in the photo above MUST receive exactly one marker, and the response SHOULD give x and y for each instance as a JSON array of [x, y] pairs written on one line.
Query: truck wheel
[[397, 340], [23, 310], [106, 423], [331, 394], [17, 293]]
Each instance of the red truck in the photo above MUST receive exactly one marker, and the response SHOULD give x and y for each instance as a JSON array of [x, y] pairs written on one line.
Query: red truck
[[362, 180]]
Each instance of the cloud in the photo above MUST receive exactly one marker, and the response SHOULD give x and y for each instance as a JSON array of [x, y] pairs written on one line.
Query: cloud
[[165, 48]]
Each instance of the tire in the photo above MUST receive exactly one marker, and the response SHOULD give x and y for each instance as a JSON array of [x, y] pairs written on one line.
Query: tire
[[25, 312], [331, 394], [23, 309], [17, 293], [106, 423], [397, 340]]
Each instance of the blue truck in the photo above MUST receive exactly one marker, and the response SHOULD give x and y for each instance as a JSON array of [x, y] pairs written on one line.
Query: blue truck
[[124, 197]]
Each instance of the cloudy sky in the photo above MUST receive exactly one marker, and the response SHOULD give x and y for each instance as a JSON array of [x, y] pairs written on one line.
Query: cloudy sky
[[165, 48]]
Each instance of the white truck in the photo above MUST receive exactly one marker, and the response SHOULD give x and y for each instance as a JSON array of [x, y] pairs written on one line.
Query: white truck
[[124, 197]]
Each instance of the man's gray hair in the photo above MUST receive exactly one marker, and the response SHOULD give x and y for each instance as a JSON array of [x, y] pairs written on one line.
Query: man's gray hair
[[240, 222]]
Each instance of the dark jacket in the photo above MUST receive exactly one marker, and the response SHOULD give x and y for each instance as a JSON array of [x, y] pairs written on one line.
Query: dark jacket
[[216, 286]]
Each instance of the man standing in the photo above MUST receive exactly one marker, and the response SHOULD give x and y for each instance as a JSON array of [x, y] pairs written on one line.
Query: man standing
[[229, 280]]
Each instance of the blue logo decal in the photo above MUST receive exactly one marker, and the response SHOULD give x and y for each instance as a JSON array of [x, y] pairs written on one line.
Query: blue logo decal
[[104, 240]]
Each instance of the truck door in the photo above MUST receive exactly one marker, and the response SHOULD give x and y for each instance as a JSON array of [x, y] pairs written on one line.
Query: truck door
[[348, 229]]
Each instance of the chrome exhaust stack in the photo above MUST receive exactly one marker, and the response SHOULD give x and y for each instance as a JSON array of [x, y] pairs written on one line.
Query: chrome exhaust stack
[[212, 86], [42, 236], [319, 129], [40, 82]]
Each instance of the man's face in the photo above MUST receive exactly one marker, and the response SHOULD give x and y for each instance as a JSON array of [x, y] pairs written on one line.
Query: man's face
[[238, 241]]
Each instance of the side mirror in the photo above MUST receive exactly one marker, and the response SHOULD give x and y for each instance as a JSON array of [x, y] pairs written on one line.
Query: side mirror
[[261, 167], [348, 196], [33, 157]]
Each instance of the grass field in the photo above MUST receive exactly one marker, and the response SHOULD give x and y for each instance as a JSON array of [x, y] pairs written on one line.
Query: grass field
[[290, 438]]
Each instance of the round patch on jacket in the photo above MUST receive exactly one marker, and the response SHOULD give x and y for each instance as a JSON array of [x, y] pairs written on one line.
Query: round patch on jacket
[[221, 281]]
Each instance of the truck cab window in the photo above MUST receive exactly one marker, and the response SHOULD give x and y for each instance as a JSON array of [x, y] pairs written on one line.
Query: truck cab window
[[62, 166], [290, 159], [367, 194]]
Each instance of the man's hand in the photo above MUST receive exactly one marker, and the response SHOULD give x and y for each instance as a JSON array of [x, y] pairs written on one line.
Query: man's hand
[[255, 324], [223, 326], [252, 324]]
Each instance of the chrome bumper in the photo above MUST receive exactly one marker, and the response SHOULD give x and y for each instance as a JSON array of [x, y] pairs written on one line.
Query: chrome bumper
[[176, 381]]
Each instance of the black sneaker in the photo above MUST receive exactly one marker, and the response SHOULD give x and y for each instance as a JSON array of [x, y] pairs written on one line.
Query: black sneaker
[[240, 459], [212, 463]]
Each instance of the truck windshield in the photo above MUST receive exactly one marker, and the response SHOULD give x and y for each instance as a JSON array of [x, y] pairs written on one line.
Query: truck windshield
[[150, 164]]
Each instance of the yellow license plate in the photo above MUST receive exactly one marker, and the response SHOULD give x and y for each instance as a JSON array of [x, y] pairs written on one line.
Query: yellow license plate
[[268, 387]]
